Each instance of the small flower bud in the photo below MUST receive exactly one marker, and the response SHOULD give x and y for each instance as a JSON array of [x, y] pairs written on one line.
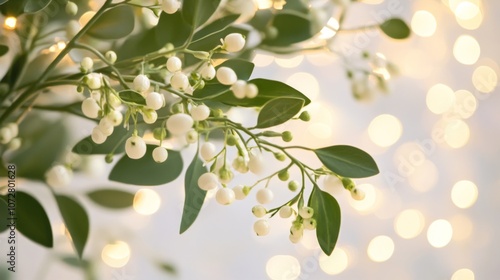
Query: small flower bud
[[114, 101], [225, 175], [348, 184], [87, 63], [234, 42], [192, 136], [287, 136], [109, 158], [280, 156], [293, 185], [304, 116], [159, 133], [259, 211], [149, 115], [240, 165], [111, 57], [231, 140], [226, 76], [283, 175], [160, 154]]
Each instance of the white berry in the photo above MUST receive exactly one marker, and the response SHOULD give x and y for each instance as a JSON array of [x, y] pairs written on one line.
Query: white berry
[[149, 115], [5, 135], [192, 136], [264, 196], [256, 162], [15, 144], [170, 6], [309, 224], [179, 81], [58, 176], [155, 100], [297, 229], [179, 124], [295, 238], [111, 56], [239, 193], [71, 8], [226, 76], [160, 154], [251, 91], [207, 72], [98, 136], [200, 112], [261, 227], [106, 126], [239, 89], [174, 64], [87, 63], [225, 196], [114, 101], [286, 211], [358, 194], [96, 95], [234, 42], [208, 151], [14, 128], [115, 117], [135, 147], [306, 212], [94, 81], [240, 165], [141, 83], [208, 181], [90, 108], [259, 211]]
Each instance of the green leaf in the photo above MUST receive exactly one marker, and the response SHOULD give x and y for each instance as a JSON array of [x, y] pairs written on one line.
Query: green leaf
[[113, 24], [3, 50], [172, 29], [32, 220], [4, 215], [215, 26], [114, 144], [278, 111], [3, 2], [347, 161], [297, 5], [33, 6], [261, 19], [115, 199], [197, 12], [396, 28], [327, 215], [75, 262], [76, 221], [132, 96], [145, 171], [292, 28], [194, 196]]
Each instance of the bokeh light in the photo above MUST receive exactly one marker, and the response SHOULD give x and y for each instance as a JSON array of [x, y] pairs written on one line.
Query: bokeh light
[[424, 176], [262, 60], [440, 98], [465, 104], [439, 233], [456, 133], [466, 50], [282, 267], [463, 274], [10, 23], [423, 23], [464, 194], [485, 79], [306, 83], [334, 264], [330, 29], [116, 254], [409, 223], [289, 62], [385, 130], [146, 202], [380, 248], [463, 227]]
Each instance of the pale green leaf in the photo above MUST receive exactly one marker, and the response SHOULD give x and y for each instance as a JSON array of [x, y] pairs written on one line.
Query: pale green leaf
[[347, 161], [194, 196]]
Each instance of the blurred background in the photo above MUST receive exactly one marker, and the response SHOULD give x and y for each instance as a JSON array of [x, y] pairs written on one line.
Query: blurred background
[[429, 214]]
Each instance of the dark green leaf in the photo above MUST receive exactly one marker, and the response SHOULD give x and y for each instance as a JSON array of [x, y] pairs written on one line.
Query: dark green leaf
[[278, 111], [110, 198], [172, 29], [132, 96], [215, 26], [197, 12], [194, 196], [4, 215], [115, 143], [138, 44], [113, 24], [395, 28], [347, 161], [3, 1], [292, 28], [33, 6], [261, 19], [145, 171], [268, 90], [32, 220], [76, 221], [3, 49], [297, 5], [327, 215]]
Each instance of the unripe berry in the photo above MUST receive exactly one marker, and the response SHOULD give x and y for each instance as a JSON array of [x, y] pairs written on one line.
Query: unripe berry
[[111, 57], [306, 212], [240, 165], [179, 81], [271, 32], [309, 224], [293, 185], [160, 154], [225, 196], [234, 42], [200, 112], [287, 136], [155, 100], [149, 115], [87, 63], [192, 136], [208, 181], [238, 89], [170, 6], [135, 147], [256, 162], [109, 158], [141, 83], [358, 194], [251, 91], [159, 133], [304, 116], [106, 126], [98, 136], [285, 212], [231, 140], [115, 117], [225, 175], [264, 196], [90, 108], [71, 8], [226, 76], [208, 151], [174, 64], [261, 227], [259, 211], [94, 80], [280, 156], [5, 135], [207, 72], [179, 124], [58, 176], [239, 193], [297, 229], [283, 175], [348, 184]]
